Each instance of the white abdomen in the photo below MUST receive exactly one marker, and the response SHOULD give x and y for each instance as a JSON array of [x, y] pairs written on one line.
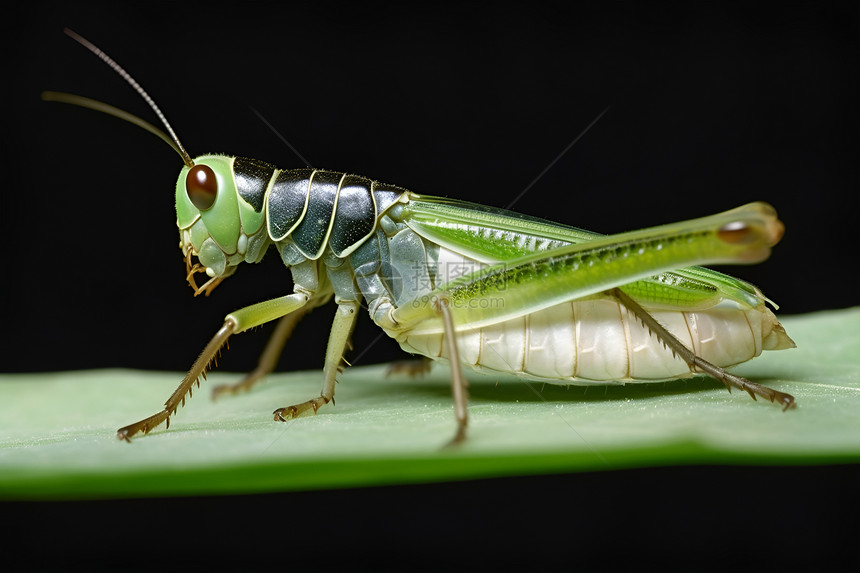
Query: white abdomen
[[599, 340]]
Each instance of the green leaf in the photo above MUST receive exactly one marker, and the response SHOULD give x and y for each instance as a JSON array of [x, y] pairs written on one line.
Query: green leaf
[[57, 430]]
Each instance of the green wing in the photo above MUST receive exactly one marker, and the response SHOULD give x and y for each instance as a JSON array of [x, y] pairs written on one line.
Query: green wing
[[491, 235]]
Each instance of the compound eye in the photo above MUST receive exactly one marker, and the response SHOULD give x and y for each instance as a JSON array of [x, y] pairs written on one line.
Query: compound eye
[[201, 186]]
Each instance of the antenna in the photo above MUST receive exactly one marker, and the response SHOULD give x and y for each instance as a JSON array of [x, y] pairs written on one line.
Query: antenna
[[92, 104]]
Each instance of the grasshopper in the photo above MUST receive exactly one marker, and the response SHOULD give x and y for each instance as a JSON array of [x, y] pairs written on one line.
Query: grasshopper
[[475, 286]]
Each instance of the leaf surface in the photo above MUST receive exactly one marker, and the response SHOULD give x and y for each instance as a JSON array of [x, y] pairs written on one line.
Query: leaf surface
[[57, 430]]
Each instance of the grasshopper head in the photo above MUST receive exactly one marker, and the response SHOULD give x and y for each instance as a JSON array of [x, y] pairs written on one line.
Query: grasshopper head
[[216, 225]]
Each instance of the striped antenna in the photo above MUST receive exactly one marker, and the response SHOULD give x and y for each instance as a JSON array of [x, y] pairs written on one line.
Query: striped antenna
[[127, 77]]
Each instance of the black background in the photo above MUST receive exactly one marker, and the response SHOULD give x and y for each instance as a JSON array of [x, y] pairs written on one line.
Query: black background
[[710, 106]]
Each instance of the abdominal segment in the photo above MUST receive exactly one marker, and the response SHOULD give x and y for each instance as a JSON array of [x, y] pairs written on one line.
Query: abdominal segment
[[599, 340]]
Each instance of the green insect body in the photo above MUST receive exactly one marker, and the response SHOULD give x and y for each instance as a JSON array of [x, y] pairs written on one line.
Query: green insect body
[[472, 285]]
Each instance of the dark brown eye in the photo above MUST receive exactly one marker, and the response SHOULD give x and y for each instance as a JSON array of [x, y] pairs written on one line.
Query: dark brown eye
[[201, 186]]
